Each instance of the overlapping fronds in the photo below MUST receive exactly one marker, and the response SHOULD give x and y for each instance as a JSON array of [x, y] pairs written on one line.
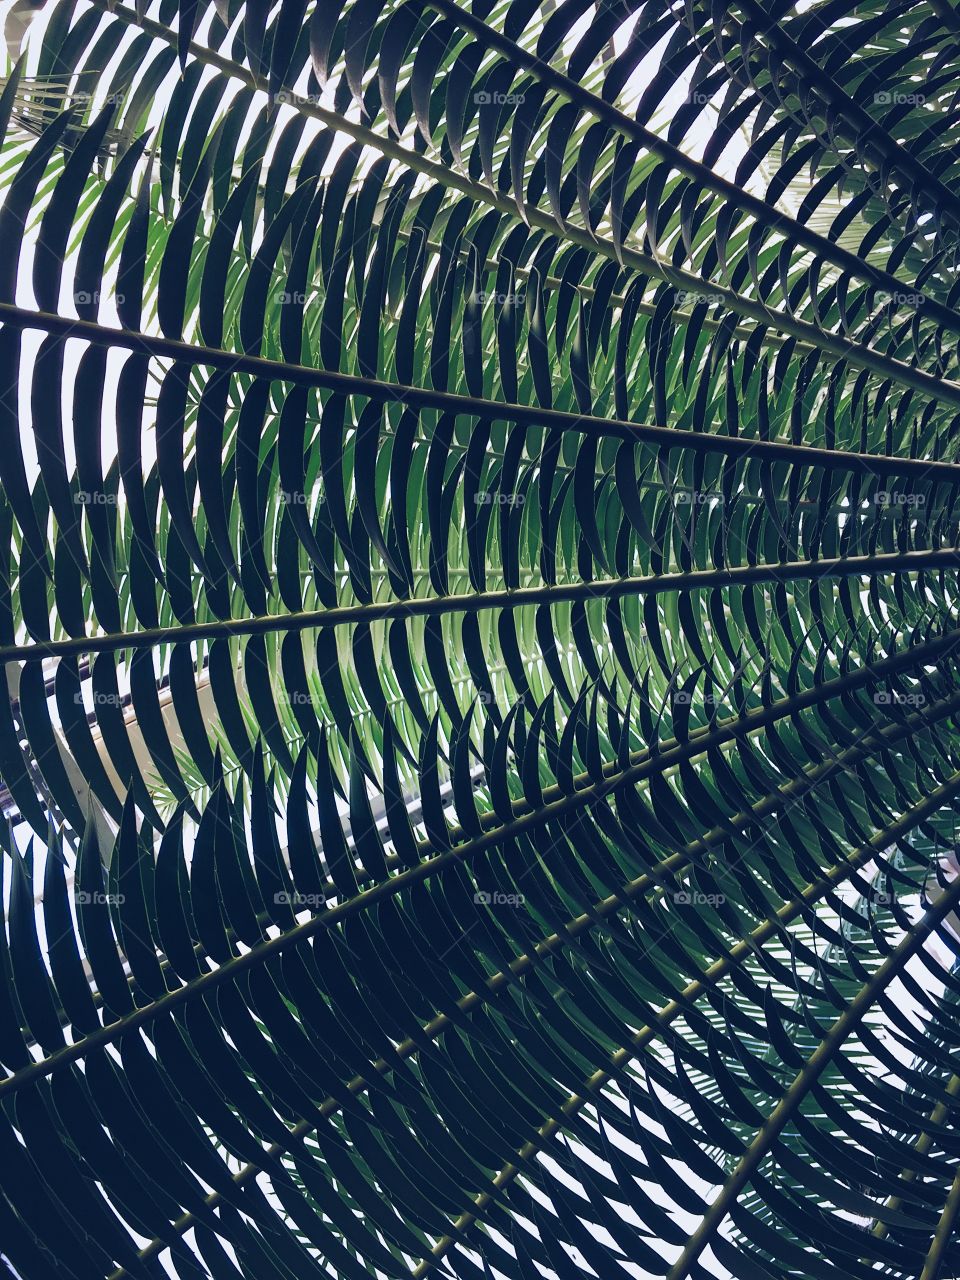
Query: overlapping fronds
[[479, 640]]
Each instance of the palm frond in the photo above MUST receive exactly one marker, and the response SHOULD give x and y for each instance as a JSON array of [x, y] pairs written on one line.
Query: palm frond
[[479, 522]]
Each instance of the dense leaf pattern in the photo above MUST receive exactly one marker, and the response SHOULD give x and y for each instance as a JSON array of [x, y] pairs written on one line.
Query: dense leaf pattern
[[479, 639]]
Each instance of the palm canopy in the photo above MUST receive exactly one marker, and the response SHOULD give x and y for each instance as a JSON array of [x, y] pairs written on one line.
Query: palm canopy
[[479, 641]]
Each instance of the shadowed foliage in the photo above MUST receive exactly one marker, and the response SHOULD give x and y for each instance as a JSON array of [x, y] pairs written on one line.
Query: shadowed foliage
[[479, 639]]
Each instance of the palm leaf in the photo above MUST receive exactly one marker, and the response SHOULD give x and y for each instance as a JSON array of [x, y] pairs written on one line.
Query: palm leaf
[[478, 640]]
